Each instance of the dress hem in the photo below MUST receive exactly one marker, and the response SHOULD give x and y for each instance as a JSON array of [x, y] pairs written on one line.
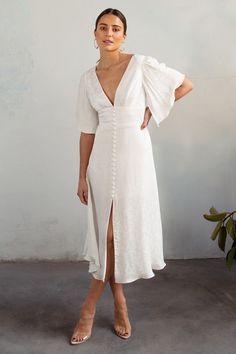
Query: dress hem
[[137, 277]]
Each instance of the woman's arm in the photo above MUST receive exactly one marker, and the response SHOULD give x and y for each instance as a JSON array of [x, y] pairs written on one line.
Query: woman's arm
[[183, 89], [85, 147]]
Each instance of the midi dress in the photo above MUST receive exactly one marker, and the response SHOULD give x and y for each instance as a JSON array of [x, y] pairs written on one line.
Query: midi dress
[[121, 167]]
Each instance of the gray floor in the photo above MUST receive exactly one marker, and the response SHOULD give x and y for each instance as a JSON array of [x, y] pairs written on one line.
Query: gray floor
[[188, 307]]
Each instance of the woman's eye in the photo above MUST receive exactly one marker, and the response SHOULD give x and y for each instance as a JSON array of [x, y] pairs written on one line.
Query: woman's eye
[[114, 29]]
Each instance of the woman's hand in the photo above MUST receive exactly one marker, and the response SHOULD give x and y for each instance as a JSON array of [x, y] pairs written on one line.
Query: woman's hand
[[82, 191], [147, 116]]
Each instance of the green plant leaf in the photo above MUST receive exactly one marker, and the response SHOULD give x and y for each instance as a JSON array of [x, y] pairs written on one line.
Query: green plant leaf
[[213, 210], [216, 230], [215, 217], [234, 245], [230, 257], [222, 238], [231, 228]]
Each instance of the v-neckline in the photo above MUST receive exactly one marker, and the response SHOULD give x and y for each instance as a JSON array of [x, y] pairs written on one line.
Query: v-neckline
[[119, 84]]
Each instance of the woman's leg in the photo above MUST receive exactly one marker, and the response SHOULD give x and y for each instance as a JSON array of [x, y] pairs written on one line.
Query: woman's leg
[[122, 324], [97, 286], [88, 308]]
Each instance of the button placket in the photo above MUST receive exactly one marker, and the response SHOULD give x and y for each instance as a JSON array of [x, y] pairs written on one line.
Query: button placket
[[113, 152], [114, 133]]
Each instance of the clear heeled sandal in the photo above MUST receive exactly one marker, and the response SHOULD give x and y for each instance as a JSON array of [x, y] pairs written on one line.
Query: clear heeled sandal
[[121, 335], [74, 338]]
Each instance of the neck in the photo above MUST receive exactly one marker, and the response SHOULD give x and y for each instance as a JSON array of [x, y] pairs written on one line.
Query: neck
[[108, 59]]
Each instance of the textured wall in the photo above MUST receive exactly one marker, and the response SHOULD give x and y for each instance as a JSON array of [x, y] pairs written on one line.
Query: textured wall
[[45, 46]]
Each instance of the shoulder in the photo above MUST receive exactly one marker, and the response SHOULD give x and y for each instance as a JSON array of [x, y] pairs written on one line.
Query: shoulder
[[148, 61], [140, 58], [143, 60], [144, 57], [84, 75]]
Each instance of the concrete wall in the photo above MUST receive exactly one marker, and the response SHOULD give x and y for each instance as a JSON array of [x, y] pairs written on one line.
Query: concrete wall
[[45, 46]]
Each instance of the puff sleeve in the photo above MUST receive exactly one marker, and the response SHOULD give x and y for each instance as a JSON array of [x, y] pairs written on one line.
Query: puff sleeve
[[86, 115], [160, 83]]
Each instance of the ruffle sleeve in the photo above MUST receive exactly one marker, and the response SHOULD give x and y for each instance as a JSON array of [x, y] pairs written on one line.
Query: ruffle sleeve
[[160, 83], [86, 115]]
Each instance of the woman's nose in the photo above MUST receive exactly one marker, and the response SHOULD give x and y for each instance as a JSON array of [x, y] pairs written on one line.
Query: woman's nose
[[109, 31]]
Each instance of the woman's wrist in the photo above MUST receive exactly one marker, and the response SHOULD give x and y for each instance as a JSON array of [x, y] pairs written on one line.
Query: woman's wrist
[[82, 177]]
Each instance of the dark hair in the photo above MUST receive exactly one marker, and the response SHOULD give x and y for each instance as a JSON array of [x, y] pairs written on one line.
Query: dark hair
[[113, 12]]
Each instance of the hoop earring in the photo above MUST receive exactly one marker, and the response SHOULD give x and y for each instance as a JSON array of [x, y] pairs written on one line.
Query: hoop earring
[[95, 44]]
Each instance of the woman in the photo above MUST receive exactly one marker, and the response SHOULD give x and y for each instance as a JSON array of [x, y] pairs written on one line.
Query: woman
[[117, 179]]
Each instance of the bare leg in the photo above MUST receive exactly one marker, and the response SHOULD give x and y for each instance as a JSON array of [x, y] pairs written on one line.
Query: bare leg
[[88, 308], [122, 324]]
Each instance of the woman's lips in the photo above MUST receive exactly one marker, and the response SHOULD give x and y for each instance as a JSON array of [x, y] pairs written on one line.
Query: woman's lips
[[107, 42]]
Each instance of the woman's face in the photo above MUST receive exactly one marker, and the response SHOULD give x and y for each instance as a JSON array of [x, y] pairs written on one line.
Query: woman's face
[[109, 33]]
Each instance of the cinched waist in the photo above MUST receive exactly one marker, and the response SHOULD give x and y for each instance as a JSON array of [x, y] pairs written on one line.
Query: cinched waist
[[120, 116]]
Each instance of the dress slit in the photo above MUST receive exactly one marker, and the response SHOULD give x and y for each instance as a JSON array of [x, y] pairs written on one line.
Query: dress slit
[[105, 261]]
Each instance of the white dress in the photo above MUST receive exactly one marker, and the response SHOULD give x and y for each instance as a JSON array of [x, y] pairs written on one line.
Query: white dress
[[121, 167]]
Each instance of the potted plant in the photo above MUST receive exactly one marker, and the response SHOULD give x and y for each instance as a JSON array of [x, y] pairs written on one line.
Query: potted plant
[[226, 225]]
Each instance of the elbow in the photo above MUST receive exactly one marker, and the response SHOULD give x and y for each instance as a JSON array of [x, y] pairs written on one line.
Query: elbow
[[187, 84], [191, 86]]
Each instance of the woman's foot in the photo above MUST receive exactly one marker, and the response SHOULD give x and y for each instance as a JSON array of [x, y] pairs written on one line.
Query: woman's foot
[[122, 324], [83, 328]]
